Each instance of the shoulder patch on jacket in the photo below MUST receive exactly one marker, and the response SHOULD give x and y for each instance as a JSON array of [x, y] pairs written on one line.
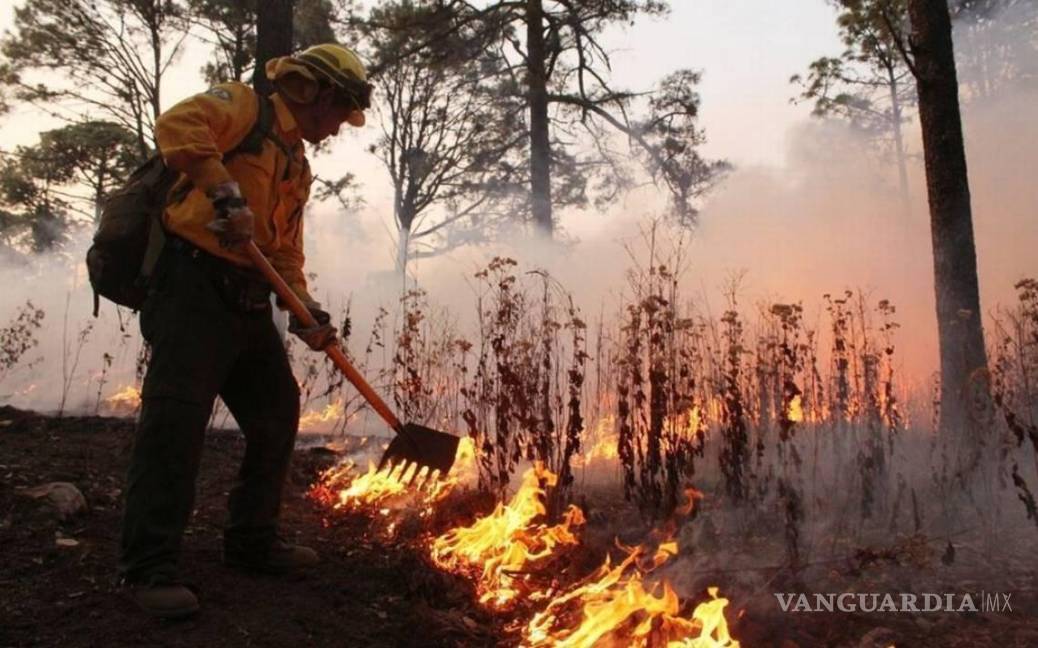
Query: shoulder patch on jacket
[[219, 93]]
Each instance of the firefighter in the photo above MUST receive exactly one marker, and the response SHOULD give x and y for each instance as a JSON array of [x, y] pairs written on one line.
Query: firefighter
[[208, 316]]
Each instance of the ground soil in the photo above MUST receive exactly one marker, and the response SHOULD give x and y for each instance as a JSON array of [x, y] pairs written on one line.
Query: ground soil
[[368, 591], [365, 593]]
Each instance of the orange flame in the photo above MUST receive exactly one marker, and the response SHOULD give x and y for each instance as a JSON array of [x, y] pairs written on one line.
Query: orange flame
[[125, 401], [343, 489], [695, 424], [603, 444], [503, 546], [314, 421], [509, 552], [795, 411], [465, 469], [614, 605]]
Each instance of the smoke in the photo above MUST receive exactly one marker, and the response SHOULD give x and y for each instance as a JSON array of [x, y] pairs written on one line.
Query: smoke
[[74, 353], [829, 219]]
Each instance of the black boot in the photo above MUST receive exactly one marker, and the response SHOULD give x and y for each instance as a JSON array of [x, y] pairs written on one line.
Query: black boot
[[277, 557], [163, 597]]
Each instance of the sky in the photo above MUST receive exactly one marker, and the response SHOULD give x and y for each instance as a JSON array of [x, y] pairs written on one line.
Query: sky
[[747, 50]]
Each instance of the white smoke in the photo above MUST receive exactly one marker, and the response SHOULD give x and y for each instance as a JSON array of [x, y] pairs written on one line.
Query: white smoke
[[829, 219]]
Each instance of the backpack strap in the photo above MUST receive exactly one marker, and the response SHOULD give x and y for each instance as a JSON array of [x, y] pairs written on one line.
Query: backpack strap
[[156, 241], [263, 129], [251, 144]]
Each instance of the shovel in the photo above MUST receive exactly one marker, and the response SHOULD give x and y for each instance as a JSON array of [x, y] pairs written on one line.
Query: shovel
[[413, 443]]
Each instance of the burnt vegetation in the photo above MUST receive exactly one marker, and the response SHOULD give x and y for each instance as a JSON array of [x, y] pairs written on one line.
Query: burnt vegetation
[[817, 459], [817, 455]]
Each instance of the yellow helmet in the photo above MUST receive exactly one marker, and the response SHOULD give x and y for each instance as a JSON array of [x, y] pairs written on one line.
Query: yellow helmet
[[336, 63], [333, 64]]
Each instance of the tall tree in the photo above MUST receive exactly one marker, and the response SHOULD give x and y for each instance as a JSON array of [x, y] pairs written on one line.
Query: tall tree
[[229, 27], [562, 72], [442, 136], [7, 80], [37, 214], [556, 91], [109, 55], [313, 20], [931, 58], [273, 38], [998, 45], [867, 84], [95, 155], [536, 59], [61, 182]]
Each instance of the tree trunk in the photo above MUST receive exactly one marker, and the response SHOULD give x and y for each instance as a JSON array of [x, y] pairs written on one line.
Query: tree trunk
[[403, 247], [404, 206], [963, 357], [273, 39], [899, 142], [99, 194], [156, 55], [240, 56], [540, 143]]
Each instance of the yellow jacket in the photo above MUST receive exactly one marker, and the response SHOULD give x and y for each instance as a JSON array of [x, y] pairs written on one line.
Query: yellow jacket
[[192, 137]]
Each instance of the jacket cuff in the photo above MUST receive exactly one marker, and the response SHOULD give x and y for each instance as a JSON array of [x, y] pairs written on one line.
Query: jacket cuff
[[302, 294]]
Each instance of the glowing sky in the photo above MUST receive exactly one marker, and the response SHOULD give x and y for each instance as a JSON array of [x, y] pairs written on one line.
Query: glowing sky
[[747, 49]]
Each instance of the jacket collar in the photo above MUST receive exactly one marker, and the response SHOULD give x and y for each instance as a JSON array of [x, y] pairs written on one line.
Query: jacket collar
[[286, 120]]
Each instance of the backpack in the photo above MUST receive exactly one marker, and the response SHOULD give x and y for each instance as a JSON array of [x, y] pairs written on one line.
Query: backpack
[[130, 234]]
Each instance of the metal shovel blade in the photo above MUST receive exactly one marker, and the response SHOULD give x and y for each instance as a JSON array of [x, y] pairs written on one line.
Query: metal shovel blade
[[424, 446]]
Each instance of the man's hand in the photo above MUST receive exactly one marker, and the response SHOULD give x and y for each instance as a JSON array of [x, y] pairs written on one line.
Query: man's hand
[[317, 337], [234, 220]]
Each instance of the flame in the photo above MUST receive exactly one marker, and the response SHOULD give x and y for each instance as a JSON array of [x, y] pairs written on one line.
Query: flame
[[465, 469], [715, 408], [312, 421], [604, 439], [510, 554], [795, 411], [693, 496], [343, 489], [695, 423], [125, 401], [502, 548], [604, 444], [613, 604]]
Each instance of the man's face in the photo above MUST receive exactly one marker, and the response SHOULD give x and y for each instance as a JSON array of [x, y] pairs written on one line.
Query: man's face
[[327, 115]]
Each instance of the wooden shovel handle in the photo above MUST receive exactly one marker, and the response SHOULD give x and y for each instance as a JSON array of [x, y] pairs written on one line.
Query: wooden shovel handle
[[333, 350]]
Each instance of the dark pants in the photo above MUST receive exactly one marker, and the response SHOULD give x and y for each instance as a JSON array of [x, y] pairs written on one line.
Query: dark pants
[[210, 335]]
